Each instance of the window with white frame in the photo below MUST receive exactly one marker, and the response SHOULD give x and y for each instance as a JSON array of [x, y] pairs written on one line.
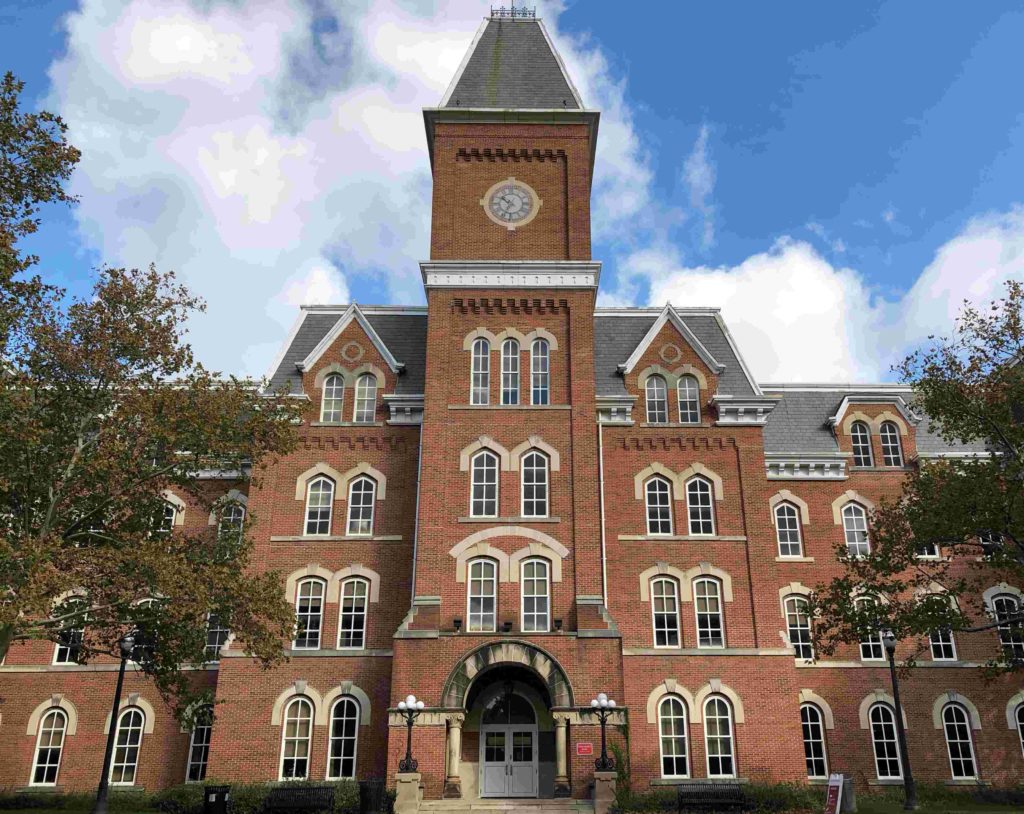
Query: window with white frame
[[1019, 717], [343, 739], [540, 372], [480, 385], [814, 741], [483, 500], [883, 742], [707, 603], [49, 748], [673, 728], [536, 588], [217, 635], [927, 551], [990, 542], [860, 439], [892, 450], [72, 633], [534, 471], [295, 739], [942, 645], [361, 493], [787, 530], [688, 390], [798, 623], [309, 614], [231, 522], [871, 648], [482, 596], [365, 406], [510, 372], [319, 505], [718, 737], [352, 625], [165, 522], [332, 400], [199, 745], [665, 607], [659, 506], [1006, 608], [957, 729], [699, 506], [657, 400], [855, 530], [127, 742]]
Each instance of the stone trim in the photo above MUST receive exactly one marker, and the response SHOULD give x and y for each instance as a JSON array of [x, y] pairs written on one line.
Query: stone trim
[[811, 697], [509, 333], [299, 689], [849, 496], [872, 698], [177, 503], [853, 417], [479, 551], [356, 570], [657, 570], [953, 697], [996, 590], [328, 471], [362, 468], [538, 443], [705, 569], [234, 496], [488, 443], [313, 569], [534, 551], [327, 370], [698, 469], [540, 333], [716, 687], [1011, 710], [134, 700], [459, 680], [479, 333], [347, 688], [786, 496], [476, 545], [887, 415], [640, 480], [352, 312], [666, 688], [56, 701]]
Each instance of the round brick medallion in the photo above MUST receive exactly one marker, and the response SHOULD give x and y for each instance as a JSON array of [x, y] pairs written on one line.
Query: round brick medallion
[[671, 353], [352, 351]]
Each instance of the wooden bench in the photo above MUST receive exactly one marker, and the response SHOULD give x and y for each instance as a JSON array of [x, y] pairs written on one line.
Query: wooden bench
[[293, 799], [711, 797]]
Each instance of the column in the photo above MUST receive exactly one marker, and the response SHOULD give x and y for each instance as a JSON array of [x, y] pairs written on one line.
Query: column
[[452, 781], [562, 788]]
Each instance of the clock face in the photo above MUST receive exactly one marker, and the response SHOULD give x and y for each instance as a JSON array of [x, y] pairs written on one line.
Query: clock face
[[511, 203]]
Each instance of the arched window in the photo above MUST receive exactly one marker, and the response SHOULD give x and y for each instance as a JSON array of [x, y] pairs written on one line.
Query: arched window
[[1011, 630], [49, 748], [657, 400], [707, 603], [798, 622], [480, 386], [892, 451], [309, 614], [231, 522], [659, 506], [510, 372], [165, 522], [332, 400], [672, 722], [482, 596], [540, 370], [361, 494], [295, 737], [855, 529], [665, 607], [536, 595], [943, 646], [871, 648], [957, 727], [72, 634], [319, 504], [127, 743], [860, 439], [698, 506], [343, 739], [534, 468], [883, 740], [199, 746], [1020, 725], [483, 500], [352, 626], [718, 737], [217, 635], [365, 407], [787, 530], [688, 391], [814, 741]]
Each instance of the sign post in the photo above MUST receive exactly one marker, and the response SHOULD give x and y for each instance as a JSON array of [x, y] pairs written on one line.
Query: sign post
[[834, 797]]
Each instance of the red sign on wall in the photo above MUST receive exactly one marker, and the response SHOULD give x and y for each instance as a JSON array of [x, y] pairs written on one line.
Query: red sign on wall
[[584, 748]]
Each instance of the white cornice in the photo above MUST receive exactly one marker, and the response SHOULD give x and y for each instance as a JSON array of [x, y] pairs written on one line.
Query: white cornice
[[510, 273], [797, 466], [740, 411], [894, 399]]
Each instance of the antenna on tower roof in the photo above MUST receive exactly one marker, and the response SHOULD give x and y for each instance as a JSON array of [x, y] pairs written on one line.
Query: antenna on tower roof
[[513, 13]]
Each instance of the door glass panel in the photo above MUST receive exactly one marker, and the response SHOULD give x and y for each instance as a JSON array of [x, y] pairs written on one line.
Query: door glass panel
[[494, 747], [522, 747]]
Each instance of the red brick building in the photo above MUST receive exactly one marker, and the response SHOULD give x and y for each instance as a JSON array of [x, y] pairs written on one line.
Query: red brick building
[[511, 500]]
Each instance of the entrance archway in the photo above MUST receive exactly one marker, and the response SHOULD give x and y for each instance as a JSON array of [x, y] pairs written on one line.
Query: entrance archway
[[509, 736], [495, 654]]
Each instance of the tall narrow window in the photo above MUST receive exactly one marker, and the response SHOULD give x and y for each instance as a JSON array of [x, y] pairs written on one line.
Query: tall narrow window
[[49, 748], [672, 722], [165, 522], [718, 737], [483, 587], [365, 407], [199, 746], [352, 626], [344, 737], [534, 466], [892, 451], [217, 635], [295, 737], [72, 634], [698, 506], [536, 596], [883, 740], [665, 607], [657, 400], [127, 743], [659, 506], [814, 741], [798, 622], [688, 390], [540, 370], [860, 439], [480, 386], [309, 614], [1020, 725], [943, 646], [855, 529], [510, 372], [787, 530], [333, 399], [707, 602], [319, 504], [361, 494], [231, 522], [957, 728], [871, 648], [1011, 629], [484, 492]]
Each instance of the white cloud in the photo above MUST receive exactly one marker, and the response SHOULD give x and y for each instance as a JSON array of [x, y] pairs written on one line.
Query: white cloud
[[699, 175]]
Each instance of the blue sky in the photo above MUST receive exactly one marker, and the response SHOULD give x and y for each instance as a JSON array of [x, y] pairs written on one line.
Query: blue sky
[[835, 177]]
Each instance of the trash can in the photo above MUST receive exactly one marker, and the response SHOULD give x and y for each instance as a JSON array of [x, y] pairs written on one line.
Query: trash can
[[216, 799], [371, 796]]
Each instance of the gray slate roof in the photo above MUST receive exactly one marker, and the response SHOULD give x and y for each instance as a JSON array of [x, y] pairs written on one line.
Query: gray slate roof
[[513, 67]]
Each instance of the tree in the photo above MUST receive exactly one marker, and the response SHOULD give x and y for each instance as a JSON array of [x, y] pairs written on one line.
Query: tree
[[969, 510]]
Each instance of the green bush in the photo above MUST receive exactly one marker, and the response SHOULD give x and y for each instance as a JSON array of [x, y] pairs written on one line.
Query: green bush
[[788, 797], [247, 798], [119, 801]]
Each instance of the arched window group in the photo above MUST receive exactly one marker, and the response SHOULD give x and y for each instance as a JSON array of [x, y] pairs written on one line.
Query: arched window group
[[297, 739], [319, 515], [364, 399], [511, 377], [482, 595], [535, 485], [889, 440], [700, 513], [687, 396], [310, 598], [719, 737]]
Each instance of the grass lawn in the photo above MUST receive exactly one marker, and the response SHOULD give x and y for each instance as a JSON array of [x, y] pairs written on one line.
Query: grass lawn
[[868, 805]]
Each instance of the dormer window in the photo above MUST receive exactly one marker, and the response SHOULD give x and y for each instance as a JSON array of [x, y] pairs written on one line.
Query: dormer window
[[333, 398], [366, 399], [657, 400], [860, 438], [892, 451], [689, 400]]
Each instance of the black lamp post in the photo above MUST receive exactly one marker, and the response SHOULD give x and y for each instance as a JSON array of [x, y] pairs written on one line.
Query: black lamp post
[[126, 645], [410, 709], [603, 706], [909, 787]]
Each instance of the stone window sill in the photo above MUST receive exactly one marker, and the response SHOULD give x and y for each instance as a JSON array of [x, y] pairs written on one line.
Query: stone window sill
[[509, 406], [346, 423], [673, 425], [693, 538], [794, 559], [336, 538], [682, 781], [965, 782], [493, 520]]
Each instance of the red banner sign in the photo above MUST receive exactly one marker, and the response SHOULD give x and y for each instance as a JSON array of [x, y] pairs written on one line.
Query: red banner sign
[[584, 748], [834, 796]]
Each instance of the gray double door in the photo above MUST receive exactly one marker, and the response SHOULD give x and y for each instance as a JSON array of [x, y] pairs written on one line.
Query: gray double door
[[508, 760]]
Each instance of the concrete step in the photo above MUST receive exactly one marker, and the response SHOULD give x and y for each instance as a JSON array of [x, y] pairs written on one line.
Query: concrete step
[[505, 806]]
